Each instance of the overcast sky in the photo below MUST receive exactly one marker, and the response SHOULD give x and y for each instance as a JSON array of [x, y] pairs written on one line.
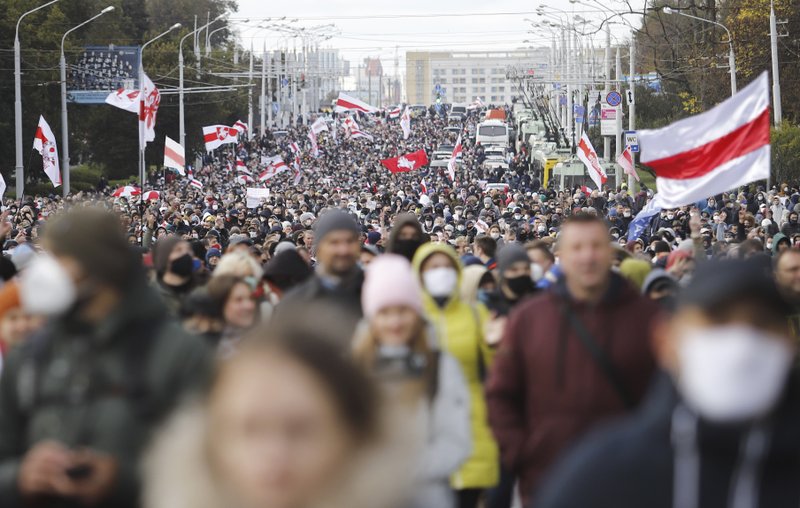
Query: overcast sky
[[381, 28]]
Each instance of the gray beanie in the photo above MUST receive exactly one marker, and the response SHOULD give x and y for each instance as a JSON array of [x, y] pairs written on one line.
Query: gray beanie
[[510, 254], [335, 220]]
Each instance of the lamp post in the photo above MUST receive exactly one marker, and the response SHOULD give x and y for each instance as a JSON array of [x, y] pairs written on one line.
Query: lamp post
[[181, 113], [142, 144], [731, 55], [20, 174], [64, 120]]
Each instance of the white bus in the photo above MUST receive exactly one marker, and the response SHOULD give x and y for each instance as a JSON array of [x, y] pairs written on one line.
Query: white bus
[[492, 132]]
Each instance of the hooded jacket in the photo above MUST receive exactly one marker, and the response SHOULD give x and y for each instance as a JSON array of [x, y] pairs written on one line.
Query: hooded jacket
[[103, 387], [545, 389], [459, 330], [632, 462], [402, 220]]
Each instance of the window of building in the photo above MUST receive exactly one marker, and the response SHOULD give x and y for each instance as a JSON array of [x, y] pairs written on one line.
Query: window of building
[[501, 89], [474, 81], [482, 80]]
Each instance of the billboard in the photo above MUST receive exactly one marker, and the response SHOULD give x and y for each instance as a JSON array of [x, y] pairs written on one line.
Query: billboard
[[100, 70]]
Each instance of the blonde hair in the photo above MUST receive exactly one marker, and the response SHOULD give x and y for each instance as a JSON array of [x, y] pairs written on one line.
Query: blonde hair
[[365, 347], [240, 264]]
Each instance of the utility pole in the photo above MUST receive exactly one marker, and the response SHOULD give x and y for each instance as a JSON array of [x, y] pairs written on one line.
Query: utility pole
[[618, 148], [607, 72], [632, 106], [263, 89], [269, 86], [776, 80], [250, 96]]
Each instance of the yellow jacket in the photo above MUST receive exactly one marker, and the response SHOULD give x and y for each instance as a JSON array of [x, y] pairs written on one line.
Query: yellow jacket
[[459, 330]]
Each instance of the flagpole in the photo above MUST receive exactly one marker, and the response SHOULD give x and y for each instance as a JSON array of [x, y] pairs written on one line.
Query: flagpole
[[20, 171], [65, 169], [142, 144]]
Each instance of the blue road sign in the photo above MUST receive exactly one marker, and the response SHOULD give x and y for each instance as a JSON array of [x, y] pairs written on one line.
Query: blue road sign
[[613, 99]]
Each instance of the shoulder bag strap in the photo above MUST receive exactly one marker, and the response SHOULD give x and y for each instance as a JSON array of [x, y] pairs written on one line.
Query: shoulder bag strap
[[599, 355]]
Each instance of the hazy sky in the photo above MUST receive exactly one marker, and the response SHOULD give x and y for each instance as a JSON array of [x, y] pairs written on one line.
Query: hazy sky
[[380, 28]]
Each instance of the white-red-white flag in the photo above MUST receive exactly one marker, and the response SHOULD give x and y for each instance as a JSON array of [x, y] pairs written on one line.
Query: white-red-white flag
[[151, 196], [395, 112], [124, 99], [405, 123], [350, 125], [241, 167], [361, 134], [44, 142], [218, 135], [713, 152], [148, 109], [625, 161], [275, 166], [453, 163], [319, 125], [348, 103], [314, 145], [588, 156], [197, 184], [423, 186], [241, 126], [174, 156], [244, 179]]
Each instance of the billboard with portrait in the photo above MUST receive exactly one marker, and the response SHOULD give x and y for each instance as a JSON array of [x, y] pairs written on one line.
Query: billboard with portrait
[[100, 70]]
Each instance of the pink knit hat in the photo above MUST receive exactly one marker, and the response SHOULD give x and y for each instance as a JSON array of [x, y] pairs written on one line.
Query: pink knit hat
[[390, 281]]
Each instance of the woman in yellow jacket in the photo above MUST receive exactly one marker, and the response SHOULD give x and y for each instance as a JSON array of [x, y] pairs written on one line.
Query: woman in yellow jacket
[[459, 329]]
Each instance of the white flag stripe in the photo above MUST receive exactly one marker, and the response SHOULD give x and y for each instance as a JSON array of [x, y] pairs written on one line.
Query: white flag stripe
[[698, 130], [743, 170]]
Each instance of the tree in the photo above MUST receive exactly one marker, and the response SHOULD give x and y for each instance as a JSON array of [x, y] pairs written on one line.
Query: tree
[[102, 134], [786, 153]]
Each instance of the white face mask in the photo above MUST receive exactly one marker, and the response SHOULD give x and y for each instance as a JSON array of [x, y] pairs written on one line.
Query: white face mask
[[45, 287], [440, 282], [495, 236], [732, 373], [537, 272]]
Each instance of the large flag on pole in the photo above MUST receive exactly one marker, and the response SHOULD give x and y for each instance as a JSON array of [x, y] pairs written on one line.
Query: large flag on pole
[[348, 103], [218, 135], [407, 162], [174, 156], [706, 154], [405, 123], [44, 142], [625, 161], [588, 156], [452, 163], [148, 111]]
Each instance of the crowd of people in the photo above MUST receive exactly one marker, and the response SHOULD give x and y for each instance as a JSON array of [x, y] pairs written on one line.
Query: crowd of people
[[359, 338]]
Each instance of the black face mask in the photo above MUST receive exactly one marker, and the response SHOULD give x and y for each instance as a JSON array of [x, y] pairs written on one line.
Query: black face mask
[[182, 267], [521, 286], [406, 248]]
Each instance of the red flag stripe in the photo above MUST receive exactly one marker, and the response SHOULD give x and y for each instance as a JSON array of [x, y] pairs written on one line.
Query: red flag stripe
[[172, 154], [349, 105], [705, 158]]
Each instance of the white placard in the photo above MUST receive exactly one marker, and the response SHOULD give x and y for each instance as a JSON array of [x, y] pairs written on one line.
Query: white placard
[[255, 196]]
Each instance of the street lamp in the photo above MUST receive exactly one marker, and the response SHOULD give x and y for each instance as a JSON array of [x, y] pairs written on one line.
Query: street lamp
[[142, 143], [731, 55], [20, 175], [181, 114], [64, 121]]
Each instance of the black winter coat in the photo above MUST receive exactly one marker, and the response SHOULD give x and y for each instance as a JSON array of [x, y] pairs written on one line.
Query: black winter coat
[[630, 463]]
